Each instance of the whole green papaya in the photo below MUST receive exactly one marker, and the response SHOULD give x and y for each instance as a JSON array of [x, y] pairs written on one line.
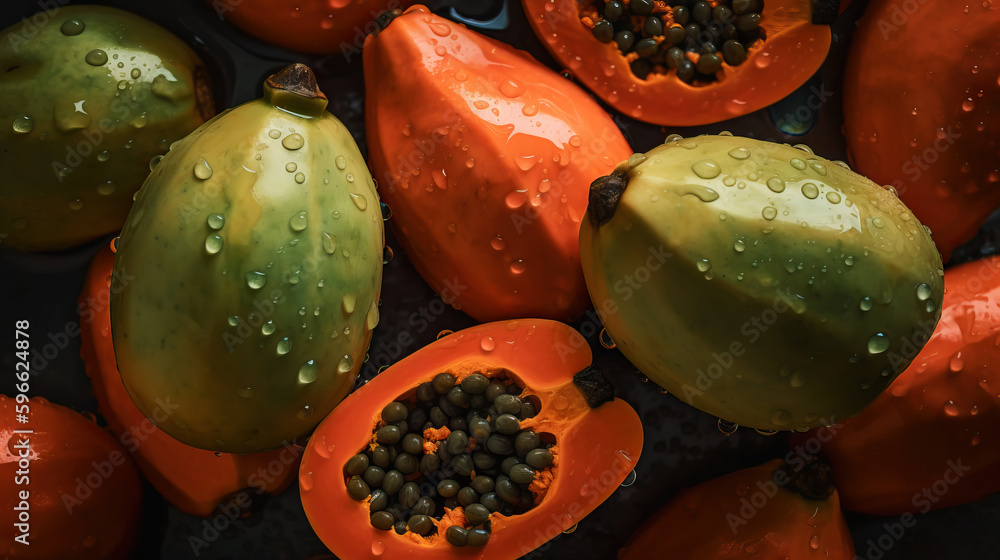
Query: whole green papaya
[[759, 282], [87, 98], [250, 268]]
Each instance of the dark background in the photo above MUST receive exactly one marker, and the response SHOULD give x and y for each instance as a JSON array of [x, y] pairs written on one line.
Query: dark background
[[683, 446]]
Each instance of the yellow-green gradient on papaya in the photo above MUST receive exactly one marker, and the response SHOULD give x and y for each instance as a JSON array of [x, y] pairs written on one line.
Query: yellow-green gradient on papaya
[[759, 282], [85, 101], [253, 259]]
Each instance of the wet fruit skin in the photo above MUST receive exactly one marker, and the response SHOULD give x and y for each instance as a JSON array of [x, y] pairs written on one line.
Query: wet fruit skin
[[930, 131], [252, 283], [193, 480], [484, 156], [792, 52], [83, 492], [774, 310], [933, 432], [596, 447], [310, 26], [744, 514], [85, 102]]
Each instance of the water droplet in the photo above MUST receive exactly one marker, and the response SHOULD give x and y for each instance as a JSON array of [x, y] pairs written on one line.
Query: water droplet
[[776, 184], [202, 169], [849, 261], [298, 222], [517, 267], [930, 306], [739, 153], [346, 364], [814, 542], [950, 409], [878, 343], [305, 413], [284, 345], [703, 265], [106, 189], [96, 57], [348, 303], [216, 221], [387, 254], [817, 166], [797, 163], [810, 191], [308, 372], [349, 177], [968, 105], [72, 27], [360, 201], [135, 73], [769, 212], [23, 124], [515, 199], [267, 329], [739, 246], [727, 428], [439, 29], [104, 155], [378, 548], [371, 320], [341, 162], [329, 243], [866, 304], [293, 141], [923, 292], [511, 88], [729, 180], [487, 344], [274, 133], [213, 243], [703, 193], [255, 280], [291, 166], [245, 392], [706, 169], [498, 243], [956, 363], [233, 320], [833, 197]]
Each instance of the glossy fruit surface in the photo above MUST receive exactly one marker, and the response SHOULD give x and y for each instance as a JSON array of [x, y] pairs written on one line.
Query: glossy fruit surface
[[254, 253], [484, 156], [929, 130], [756, 281], [86, 101], [72, 486]]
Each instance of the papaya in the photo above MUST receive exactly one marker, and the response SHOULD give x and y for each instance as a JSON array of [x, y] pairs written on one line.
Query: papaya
[[87, 100], [249, 271], [759, 282]]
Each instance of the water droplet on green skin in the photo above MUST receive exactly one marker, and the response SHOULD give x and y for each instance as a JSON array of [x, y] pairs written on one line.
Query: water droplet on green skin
[[300, 178], [729, 180], [739, 153], [154, 161], [810, 191], [308, 372], [341, 162], [923, 292], [817, 166], [797, 164], [291, 167], [371, 320], [214, 243], [72, 27], [866, 303], [776, 184], [703, 265], [298, 222], [878, 343], [739, 246], [706, 169], [23, 124], [346, 363], [284, 345], [305, 413], [96, 57], [274, 133], [245, 392], [833, 197], [360, 201], [135, 73], [233, 320], [255, 280], [329, 243], [216, 221], [348, 303], [769, 213], [202, 169], [293, 141], [780, 417], [267, 329]]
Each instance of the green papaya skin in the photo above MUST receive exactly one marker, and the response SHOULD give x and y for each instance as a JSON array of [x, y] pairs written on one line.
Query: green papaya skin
[[252, 265], [85, 101], [759, 282]]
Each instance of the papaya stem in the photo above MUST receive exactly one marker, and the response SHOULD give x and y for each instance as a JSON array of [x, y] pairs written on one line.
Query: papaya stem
[[594, 386], [605, 192]]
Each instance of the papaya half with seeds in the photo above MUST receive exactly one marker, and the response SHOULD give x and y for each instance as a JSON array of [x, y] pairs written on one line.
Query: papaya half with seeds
[[775, 510], [484, 156], [447, 408], [253, 260], [86, 100], [759, 282], [686, 63]]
